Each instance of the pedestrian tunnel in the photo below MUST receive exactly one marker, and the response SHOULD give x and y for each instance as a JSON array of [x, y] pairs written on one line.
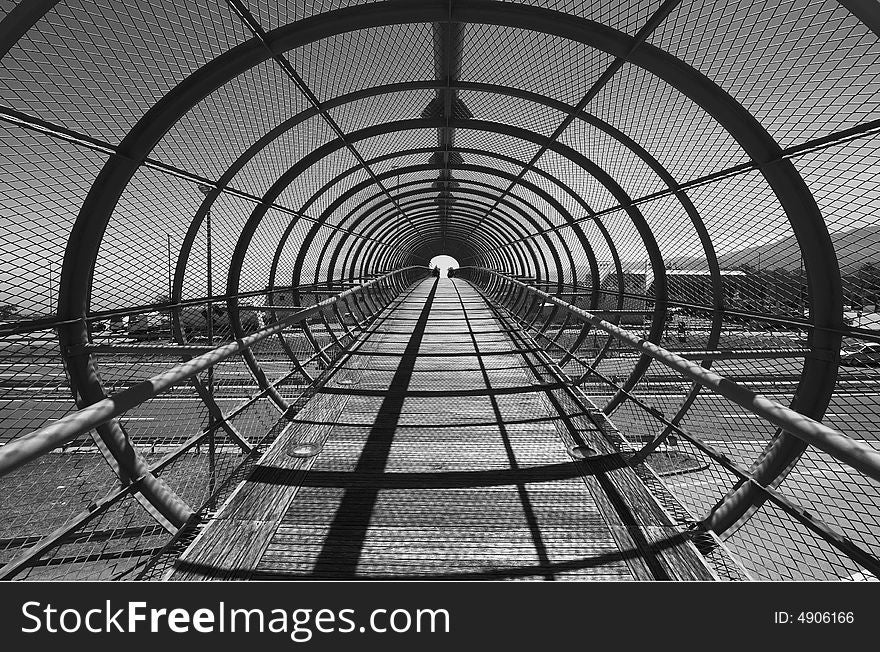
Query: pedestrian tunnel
[[657, 357], [444, 264]]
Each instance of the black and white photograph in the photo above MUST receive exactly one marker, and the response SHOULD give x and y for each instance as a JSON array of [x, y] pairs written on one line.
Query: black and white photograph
[[460, 298]]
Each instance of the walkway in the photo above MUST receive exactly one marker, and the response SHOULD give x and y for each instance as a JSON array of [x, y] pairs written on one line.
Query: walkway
[[443, 443]]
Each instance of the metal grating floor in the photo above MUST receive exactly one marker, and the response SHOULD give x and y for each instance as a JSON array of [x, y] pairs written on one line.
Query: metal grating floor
[[441, 454]]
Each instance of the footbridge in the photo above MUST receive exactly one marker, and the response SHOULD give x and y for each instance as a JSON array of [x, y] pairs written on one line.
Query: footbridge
[[226, 351]]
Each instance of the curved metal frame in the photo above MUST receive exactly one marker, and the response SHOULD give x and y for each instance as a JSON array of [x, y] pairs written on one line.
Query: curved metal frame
[[819, 372]]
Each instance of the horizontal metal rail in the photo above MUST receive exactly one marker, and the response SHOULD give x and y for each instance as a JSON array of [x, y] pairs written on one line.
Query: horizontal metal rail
[[149, 349], [43, 544], [28, 447], [843, 448], [829, 533], [49, 322], [734, 313], [28, 325], [740, 354]]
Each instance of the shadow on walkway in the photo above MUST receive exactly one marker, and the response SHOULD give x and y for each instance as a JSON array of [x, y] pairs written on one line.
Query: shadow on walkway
[[345, 540]]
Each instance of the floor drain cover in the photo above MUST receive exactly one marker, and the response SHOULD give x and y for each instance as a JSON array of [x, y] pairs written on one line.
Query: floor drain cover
[[582, 452], [304, 449]]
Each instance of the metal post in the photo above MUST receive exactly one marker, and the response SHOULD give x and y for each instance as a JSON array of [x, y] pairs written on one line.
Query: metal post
[[209, 323], [168, 262]]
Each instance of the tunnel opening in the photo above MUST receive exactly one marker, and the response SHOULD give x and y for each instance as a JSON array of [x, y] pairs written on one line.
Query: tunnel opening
[[444, 263]]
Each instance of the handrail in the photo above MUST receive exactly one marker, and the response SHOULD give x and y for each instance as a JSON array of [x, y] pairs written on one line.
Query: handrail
[[28, 447], [843, 448], [50, 322]]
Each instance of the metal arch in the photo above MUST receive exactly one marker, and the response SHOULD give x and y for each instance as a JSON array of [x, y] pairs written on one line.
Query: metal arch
[[240, 251], [286, 178], [312, 111], [458, 237], [844, 3], [494, 234], [819, 374], [351, 259], [516, 259], [319, 152], [364, 210], [574, 156], [867, 11], [335, 181], [657, 16], [642, 228], [817, 379], [574, 225], [664, 175], [519, 210], [604, 126], [680, 194], [465, 210], [205, 395], [520, 254], [253, 25], [480, 169], [373, 226], [354, 254], [366, 214], [20, 19], [78, 265], [565, 245], [279, 250], [458, 211], [380, 129], [317, 224]]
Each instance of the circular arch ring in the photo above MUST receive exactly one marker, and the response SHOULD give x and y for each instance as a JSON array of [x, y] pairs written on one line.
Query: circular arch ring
[[716, 327], [623, 199], [494, 230], [364, 215], [564, 188], [533, 97], [819, 373], [419, 182]]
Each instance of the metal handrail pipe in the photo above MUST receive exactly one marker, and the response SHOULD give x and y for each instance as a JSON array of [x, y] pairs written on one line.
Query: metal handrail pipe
[[28, 447], [852, 453]]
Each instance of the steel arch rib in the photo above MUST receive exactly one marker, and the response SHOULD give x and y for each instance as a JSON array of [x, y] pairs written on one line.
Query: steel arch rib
[[355, 253], [286, 178], [819, 374], [492, 88], [463, 184], [574, 224]]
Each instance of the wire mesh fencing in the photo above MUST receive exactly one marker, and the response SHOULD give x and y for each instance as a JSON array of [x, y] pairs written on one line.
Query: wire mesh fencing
[[700, 174], [706, 442], [72, 510]]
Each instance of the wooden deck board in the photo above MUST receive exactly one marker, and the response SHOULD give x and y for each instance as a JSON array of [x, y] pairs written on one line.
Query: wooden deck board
[[474, 483]]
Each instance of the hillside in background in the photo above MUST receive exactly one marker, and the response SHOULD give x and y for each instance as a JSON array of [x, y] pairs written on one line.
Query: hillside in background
[[854, 249]]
